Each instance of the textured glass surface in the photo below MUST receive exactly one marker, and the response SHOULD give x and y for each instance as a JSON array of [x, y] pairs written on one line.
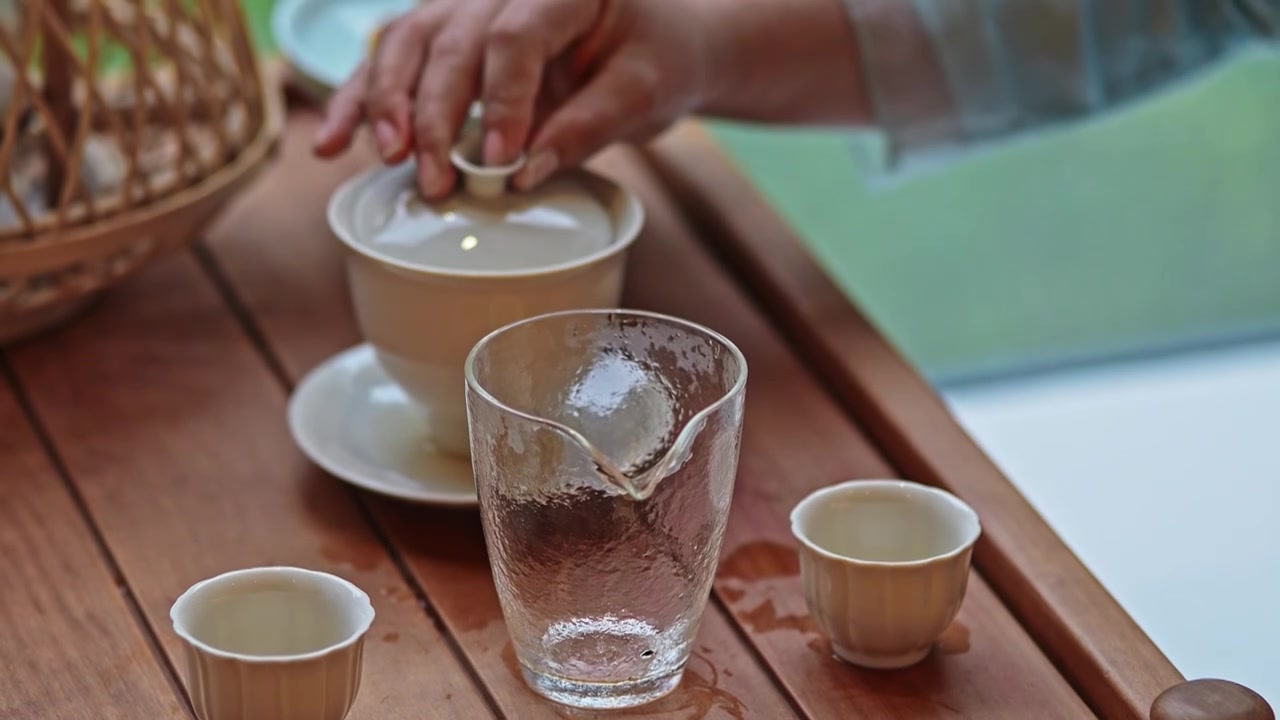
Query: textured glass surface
[[605, 446]]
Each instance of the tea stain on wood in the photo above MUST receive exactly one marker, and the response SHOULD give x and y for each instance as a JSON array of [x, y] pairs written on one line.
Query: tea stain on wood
[[757, 579], [760, 559], [362, 558], [749, 570], [395, 593], [821, 644], [954, 640], [765, 618], [702, 683]]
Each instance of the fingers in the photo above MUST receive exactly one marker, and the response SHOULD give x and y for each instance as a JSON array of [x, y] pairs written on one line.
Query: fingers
[[522, 39], [445, 92], [587, 50], [624, 97], [392, 77], [512, 75], [342, 116], [429, 64]]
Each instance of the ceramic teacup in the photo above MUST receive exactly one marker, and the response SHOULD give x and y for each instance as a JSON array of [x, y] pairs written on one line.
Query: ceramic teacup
[[885, 564], [423, 320], [273, 643]]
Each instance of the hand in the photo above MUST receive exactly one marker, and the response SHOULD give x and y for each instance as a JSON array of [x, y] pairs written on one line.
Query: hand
[[563, 78]]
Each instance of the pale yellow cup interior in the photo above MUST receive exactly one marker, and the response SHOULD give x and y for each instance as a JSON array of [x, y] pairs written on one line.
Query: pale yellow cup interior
[[272, 613], [885, 522]]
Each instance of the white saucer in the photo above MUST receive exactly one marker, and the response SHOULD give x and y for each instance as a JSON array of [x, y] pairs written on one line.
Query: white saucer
[[325, 40], [354, 421]]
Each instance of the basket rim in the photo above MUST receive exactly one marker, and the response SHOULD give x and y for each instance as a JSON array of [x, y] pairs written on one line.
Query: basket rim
[[30, 254]]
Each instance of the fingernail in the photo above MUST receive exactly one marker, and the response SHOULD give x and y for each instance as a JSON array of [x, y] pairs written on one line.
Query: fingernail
[[388, 139], [541, 165], [493, 150]]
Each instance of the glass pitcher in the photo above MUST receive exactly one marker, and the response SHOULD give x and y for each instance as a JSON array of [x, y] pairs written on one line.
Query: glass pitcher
[[605, 445]]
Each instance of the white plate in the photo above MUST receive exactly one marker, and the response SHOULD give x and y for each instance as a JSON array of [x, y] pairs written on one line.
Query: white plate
[[354, 421], [325, 40]]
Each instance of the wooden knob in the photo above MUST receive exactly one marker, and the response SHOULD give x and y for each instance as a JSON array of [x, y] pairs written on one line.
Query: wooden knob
[[1210, 700]]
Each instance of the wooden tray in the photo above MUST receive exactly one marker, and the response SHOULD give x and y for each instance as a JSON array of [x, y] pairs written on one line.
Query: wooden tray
[[145, 448]]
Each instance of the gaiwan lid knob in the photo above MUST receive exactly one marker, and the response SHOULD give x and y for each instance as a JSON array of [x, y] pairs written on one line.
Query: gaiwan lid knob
[[484, 226], [478, 179]]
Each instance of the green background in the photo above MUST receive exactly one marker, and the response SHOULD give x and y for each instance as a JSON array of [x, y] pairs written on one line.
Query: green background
[[1152, 227], [1149, 228]]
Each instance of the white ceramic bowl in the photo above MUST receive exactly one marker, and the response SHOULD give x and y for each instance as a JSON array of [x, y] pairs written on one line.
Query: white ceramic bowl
[[885, 564], [273, 643], [424, 320]]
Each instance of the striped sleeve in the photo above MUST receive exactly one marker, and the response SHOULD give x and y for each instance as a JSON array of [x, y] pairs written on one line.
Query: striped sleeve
[[955, 72]]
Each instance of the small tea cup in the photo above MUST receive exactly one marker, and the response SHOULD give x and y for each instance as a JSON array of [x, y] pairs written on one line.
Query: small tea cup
[[273, 643], [884, 564]]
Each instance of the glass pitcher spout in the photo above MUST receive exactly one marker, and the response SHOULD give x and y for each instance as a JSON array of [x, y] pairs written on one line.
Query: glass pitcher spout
[[639, 483], [631, 392]]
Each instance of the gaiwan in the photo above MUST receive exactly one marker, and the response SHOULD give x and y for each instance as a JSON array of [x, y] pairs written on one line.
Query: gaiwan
[[482, 227], [429, 279]]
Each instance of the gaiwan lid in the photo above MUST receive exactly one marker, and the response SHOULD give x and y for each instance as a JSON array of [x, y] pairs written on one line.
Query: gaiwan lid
[[483, 227]]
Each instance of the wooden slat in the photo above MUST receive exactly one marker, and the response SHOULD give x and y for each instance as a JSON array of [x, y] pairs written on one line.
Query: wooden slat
[[69, 643], [289, 274], [446, 551], [173, 429], [797, 440], [1097, 645]]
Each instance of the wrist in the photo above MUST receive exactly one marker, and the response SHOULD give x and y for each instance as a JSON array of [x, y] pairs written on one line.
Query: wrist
[[719, 56], [781, 61]]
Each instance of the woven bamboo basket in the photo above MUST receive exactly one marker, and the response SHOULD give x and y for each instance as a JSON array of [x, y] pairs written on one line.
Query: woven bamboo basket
[[126, 125]]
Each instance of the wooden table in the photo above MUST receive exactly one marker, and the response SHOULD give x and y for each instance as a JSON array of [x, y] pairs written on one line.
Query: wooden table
[[145, 447]]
